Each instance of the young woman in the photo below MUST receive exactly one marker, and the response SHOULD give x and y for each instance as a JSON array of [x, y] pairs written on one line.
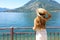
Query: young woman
[[39, 24]]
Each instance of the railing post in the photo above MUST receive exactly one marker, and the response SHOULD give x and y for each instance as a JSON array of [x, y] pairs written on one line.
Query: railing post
[[12, 33], [3, 37]]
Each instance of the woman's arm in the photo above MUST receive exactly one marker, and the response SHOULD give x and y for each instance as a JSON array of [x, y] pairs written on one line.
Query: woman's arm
[[36, 22], [49, 16]]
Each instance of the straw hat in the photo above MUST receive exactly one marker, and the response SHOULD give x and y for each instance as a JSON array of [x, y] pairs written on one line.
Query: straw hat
[[41, 11]]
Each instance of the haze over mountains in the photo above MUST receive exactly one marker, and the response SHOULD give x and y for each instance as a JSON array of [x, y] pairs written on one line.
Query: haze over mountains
[[3, 9], [34, 4]]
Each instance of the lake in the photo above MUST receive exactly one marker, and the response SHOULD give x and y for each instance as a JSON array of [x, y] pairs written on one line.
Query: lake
[[8, 19]]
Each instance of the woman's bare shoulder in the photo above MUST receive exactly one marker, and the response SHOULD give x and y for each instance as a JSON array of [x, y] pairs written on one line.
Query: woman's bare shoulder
[[37, 19]]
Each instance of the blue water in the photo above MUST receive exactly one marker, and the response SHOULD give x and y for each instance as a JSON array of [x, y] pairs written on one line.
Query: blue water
[[16, 19], [8, 19]]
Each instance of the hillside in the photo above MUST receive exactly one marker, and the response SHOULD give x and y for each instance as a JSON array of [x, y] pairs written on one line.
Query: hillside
[[34, 4]]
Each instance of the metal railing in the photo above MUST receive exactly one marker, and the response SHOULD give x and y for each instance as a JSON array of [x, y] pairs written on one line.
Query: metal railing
[[26, 33]]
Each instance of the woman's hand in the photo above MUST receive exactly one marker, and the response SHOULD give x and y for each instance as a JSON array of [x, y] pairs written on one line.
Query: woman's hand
[[34, 28]]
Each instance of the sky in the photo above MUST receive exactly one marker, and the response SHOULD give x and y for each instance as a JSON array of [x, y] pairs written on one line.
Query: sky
[[11, 4], [57, 1]]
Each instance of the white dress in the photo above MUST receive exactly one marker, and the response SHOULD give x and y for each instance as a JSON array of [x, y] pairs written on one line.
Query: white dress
[[41, 34]]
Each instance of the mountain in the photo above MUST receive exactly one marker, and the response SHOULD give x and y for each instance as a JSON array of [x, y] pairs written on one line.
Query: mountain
[[32, 5], [3, 9]]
